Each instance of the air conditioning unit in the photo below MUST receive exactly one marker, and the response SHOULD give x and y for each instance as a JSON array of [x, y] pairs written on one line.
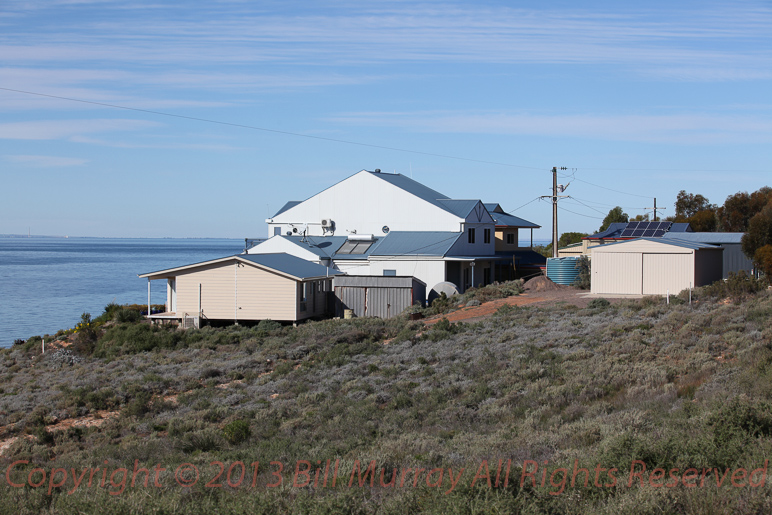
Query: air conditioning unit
[[326, 223]]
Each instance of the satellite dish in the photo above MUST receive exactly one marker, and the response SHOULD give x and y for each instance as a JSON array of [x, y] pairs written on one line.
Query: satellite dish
[[446, 287]]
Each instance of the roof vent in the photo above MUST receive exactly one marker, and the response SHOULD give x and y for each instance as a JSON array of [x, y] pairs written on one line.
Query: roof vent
[[377, 170]]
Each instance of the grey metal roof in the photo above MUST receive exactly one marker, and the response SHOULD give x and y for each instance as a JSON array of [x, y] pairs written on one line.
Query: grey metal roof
[[680, 227], [492, 207], [288, 205], [460, 208], [416, 243], [507, 220], [411, 186], [289, 265], [665, 241], [281, 262], [613, 231], [707, 237], [322, 246]]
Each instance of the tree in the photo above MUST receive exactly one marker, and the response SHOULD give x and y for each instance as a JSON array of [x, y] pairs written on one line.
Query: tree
[[567, 238], [697, 211], [738, 209], [759, 234], [640, 218], [687, 205], [615, 215]]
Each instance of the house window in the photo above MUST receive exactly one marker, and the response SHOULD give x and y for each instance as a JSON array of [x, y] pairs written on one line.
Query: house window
[[277, 231], [303, 292], [486, 236], [471, 234], [389, 272], [510, 239]]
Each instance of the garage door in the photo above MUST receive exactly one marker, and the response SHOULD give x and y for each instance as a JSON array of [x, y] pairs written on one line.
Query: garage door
[[617, 272], [667, 272]]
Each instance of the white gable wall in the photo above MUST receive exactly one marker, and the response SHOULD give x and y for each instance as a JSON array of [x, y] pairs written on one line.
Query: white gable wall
[[364, 203], [277, 244]]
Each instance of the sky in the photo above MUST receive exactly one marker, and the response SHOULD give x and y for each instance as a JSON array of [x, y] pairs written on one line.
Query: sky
[[201, 119]]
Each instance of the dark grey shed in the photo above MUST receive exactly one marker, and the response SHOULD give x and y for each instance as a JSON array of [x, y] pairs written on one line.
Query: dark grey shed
[[734, 258], [377, 296]]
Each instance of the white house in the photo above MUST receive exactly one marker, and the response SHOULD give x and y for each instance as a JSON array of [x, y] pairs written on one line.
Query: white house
[[375, 223]]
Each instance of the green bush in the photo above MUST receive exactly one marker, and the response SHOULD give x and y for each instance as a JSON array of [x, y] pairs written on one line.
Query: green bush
[[237, 431], [598, 304]]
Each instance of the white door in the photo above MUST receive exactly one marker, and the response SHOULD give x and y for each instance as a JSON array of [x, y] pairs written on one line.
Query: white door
[[172, 294]]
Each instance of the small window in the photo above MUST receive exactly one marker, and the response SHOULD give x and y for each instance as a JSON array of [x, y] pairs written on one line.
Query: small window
[[510, 239], [389, 272], [277, 231], [486, 236], [471, 234], [303, 292]]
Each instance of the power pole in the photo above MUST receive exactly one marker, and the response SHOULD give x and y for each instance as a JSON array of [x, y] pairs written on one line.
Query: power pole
[[555, 198], [655, 209]]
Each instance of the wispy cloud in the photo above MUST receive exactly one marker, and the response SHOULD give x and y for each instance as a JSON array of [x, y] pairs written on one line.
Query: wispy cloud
[[45, 161], [677, 129], [67, 129], [717, 44]]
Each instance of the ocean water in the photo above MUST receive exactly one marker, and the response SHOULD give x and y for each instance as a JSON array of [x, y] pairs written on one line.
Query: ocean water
[[47, 283]]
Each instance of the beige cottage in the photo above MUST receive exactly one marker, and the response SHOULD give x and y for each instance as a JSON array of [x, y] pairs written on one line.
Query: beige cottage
[[654, 266], [245, 287]]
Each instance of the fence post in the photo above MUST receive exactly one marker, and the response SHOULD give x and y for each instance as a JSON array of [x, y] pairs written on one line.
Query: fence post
[[668, 297]]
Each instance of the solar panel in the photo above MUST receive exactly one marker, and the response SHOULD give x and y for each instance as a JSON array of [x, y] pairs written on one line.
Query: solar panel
[[645, 229]]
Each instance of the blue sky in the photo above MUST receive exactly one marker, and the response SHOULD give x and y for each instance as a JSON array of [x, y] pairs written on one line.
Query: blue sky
[[642, 98]]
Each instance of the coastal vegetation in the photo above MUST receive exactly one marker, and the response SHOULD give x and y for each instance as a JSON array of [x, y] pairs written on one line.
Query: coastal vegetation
[[527, 411]]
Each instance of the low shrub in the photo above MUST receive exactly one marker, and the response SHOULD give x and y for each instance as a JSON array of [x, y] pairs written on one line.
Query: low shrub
[[237, 431], [598, 304]]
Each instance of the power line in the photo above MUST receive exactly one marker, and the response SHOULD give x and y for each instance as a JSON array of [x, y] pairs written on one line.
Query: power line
[[585, 205], [615, 191], [580, 214], [275, 131], [521, 207]]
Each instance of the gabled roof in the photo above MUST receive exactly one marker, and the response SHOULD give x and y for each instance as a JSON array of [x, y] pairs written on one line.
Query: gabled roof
[[285, 264], [322, 246], [507, 220], [411, 186], [288, 205], [680, 227], [707, 237], [416, 243], [493, 208], [613, 231], [460, 208]]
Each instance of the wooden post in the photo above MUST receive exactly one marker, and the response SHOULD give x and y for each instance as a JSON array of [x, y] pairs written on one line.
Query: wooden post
[[148, 297]]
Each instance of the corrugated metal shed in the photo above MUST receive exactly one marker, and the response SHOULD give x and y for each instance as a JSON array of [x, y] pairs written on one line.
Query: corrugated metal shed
[[654, 266], [376, 296], [734, 258]]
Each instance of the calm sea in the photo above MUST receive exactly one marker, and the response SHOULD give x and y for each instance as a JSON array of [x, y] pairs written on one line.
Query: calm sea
[[47, 283]]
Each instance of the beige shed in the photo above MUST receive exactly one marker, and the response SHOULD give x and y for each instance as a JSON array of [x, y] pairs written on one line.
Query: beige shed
[[654, 266], [245, 287]]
